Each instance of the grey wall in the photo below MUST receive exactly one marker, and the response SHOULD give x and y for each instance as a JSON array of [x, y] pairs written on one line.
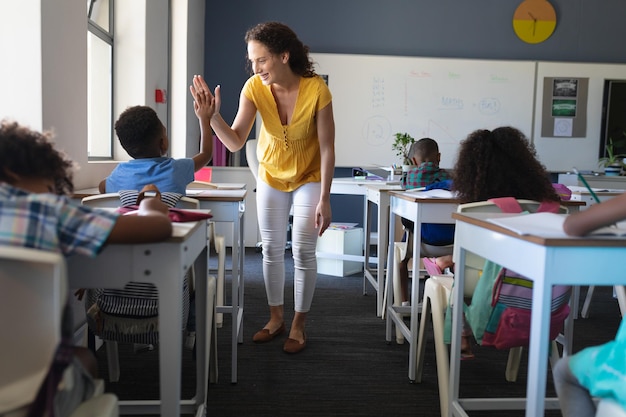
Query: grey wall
[[587, 31]]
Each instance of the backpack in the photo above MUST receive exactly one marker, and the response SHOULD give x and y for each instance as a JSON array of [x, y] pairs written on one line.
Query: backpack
[[500, 311]]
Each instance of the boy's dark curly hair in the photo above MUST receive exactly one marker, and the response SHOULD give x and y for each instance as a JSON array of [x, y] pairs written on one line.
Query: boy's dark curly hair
[[279, 38], [139, 130], [30, 154], [500, 163]]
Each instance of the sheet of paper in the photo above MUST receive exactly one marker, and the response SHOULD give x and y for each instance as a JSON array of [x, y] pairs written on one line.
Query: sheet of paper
[[538, 224], [548, 225]]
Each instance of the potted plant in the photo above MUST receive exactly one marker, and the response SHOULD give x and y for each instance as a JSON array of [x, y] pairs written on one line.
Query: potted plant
[[401, 146], [612, 162]]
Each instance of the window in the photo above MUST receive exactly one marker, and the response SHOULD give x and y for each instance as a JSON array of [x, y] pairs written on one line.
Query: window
[[100, 79]]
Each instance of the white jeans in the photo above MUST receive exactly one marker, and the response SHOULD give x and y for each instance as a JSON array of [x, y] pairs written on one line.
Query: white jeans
[[273, 209]]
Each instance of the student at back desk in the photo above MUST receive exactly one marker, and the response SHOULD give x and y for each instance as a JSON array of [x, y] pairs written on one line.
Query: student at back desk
[[425, 157]]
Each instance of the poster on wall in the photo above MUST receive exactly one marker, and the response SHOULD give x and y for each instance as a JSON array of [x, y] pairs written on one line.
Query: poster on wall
[[564, 110]]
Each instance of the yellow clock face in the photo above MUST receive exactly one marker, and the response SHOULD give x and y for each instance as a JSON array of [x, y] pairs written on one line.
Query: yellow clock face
[[534, 20]]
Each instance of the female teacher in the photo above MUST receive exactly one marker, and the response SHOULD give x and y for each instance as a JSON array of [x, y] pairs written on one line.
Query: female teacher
[[296, 152]]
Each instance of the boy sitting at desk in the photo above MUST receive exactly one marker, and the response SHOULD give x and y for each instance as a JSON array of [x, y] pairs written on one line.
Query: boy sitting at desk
[[425, 157], [35, 212], [144, 137]]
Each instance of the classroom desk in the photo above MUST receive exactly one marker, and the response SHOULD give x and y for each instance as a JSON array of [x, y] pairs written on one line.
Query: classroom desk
[[556, 261], [159, 263], [419, 210], [229, 206], [377, 194], [353, 186], [582, 194]]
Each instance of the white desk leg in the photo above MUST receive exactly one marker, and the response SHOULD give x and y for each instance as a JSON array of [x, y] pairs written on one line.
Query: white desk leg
[[235, 279], [389, 292], [538, 349], [202, 327], [383, 229], [415, 300], [170, 323], [241, 255], [366, 241], [457, 324]]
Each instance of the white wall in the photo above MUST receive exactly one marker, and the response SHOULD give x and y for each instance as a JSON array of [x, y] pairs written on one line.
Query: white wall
[[20, 73], [187, 54], [45, 84]]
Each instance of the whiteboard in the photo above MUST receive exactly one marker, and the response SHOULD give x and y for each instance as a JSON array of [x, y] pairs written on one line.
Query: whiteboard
[[375, 97]]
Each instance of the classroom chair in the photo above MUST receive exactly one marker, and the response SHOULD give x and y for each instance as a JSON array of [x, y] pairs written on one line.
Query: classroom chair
[[608, 407], [619, 291], [437, 292], [400, 249], [32, 315]]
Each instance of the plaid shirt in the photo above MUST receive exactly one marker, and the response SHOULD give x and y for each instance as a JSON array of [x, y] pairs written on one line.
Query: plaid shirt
[[424, 174], [51, 222]]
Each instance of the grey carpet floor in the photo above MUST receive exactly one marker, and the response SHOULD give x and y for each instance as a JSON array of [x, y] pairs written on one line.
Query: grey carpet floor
[[347, 369]]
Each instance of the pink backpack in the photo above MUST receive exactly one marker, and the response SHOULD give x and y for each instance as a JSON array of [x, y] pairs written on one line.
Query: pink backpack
[[509, 323]]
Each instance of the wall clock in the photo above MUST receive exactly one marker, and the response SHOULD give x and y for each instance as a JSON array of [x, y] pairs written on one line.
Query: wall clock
[[534, 20]]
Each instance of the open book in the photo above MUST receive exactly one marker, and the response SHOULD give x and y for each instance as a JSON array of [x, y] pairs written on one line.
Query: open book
[[547, 225]]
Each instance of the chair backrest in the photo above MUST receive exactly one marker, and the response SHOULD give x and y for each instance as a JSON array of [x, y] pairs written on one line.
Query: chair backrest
[[489, 207], [112, 200], [188, 203], [251, 156], [474, 263], [608, 407], [33, 288]]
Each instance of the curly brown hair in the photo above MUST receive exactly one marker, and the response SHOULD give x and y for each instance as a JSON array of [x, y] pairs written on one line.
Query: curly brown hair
[[30, 154], [278, 38], [500, 163], [140, 130]]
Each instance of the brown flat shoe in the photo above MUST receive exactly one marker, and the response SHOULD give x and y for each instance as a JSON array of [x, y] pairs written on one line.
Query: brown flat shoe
[[264, 335], [293, 346]]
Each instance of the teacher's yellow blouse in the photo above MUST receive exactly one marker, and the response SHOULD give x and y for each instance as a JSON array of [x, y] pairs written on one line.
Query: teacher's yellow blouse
[[289, 155]]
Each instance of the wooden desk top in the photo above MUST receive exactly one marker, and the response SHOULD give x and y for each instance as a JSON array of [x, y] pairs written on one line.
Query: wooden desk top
[[217, 194], [480, 219], [413, 197]]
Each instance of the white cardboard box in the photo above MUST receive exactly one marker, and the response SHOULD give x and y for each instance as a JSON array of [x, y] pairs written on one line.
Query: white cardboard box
[[340, 241]]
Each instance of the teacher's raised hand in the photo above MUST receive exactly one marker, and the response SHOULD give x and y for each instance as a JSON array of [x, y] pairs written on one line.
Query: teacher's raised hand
[[200, 89]]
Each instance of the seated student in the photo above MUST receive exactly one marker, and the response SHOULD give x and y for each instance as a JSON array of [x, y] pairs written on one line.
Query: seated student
[[491, 164], [144, 137], [598, 371], [425, 157], [35, 212]]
